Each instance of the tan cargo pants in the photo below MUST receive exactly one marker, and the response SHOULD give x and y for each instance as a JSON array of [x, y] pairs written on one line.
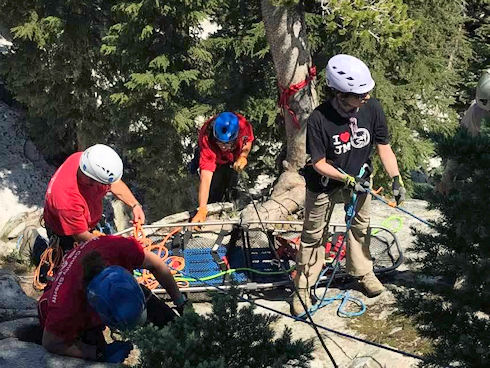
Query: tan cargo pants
[[311, 255]]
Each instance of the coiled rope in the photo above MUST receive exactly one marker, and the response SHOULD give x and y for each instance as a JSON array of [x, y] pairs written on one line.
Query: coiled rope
[[176, 264]]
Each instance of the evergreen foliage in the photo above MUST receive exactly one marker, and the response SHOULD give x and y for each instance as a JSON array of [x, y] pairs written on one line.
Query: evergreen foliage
[[155, 95], [137, 75], [456, 316], [227, 337], [477, 26], [54, 69]]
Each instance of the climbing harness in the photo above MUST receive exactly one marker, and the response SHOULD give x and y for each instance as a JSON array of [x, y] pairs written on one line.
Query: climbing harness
[[50, 259], [288, 92]]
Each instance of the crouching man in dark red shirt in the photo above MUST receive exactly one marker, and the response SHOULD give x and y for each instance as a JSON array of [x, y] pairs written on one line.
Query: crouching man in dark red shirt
[[95, 288]]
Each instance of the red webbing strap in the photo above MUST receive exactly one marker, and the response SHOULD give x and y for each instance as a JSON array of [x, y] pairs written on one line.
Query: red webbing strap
[[287, 93]]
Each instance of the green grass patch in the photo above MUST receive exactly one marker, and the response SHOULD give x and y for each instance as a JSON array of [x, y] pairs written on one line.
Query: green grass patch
[[396, 330]]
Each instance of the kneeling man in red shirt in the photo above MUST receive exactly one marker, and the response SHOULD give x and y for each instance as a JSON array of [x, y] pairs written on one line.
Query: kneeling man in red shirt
[[94, 288]]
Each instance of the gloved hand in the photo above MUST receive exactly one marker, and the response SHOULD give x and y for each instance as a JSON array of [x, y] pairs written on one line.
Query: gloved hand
[[117, 351], [201, 214], [240, 163], [399, 190], [356, 183]]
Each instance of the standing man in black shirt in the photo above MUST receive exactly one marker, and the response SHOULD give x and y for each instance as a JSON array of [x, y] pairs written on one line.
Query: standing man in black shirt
[[341, 133]]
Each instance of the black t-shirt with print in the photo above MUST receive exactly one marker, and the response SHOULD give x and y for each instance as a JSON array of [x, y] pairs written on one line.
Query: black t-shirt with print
[[329, 135]]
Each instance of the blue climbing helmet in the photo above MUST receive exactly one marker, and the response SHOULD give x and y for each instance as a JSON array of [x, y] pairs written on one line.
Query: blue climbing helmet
[[226, 127], [117, 298]]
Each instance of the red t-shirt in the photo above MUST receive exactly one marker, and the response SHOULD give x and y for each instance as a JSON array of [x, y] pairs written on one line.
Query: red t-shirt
[[63, 308], [69, 207], [211, 155]]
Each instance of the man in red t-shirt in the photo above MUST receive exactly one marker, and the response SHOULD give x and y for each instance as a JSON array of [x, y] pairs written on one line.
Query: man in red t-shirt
[[73, 201], [224, 144], [94, 288]]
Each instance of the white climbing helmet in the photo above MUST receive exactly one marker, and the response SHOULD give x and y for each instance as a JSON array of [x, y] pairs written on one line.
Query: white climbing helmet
[[101, 163], [348, 74], [483, 91]]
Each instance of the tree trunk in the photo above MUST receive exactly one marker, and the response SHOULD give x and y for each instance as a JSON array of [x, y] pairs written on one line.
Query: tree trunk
[[286, 33]]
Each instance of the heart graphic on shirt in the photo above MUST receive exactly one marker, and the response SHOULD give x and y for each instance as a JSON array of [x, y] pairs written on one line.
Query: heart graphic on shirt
[[344, 137]]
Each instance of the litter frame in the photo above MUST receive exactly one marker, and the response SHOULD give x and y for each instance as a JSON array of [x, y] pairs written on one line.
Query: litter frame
[[161, 230]]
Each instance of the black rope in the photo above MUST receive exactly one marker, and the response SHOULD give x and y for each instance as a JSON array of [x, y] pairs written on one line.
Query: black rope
[[291, 280]]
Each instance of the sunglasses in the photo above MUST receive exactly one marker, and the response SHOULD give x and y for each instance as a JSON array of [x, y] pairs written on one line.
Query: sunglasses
[[361, 96]]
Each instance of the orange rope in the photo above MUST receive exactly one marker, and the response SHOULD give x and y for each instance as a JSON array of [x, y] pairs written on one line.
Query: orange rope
[[52, 256], [177, 263]]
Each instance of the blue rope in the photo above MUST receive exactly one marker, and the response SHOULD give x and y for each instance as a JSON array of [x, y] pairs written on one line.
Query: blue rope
[[380, 198], [19, 239], [341, 311]]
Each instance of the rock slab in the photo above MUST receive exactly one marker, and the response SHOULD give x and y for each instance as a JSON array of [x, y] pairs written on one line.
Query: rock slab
[[19, 354], [14, 303]]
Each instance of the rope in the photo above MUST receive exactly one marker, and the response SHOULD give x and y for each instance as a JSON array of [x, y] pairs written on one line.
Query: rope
[[322, 342], [227, 272], [387, 223], [52, 257], [341, 311], [391, 204], [176, 264], [335, 265], [288, 92], [19, 240], [345, 297]]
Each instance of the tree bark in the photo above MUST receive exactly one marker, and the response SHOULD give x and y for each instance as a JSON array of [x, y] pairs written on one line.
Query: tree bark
[[286, 33]]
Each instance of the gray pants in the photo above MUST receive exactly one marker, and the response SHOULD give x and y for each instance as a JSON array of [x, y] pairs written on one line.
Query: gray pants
[[311, 255]]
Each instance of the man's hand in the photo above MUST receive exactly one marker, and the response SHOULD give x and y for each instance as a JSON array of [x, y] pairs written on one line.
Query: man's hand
[[399, 190], [117, 351], [201, 214], [240, 163], [356, 183], [138, 214]]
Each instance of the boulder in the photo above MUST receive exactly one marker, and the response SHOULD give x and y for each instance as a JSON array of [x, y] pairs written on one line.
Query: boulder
[[19, 354], [14, 303], [364, 362], [25, 329]]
